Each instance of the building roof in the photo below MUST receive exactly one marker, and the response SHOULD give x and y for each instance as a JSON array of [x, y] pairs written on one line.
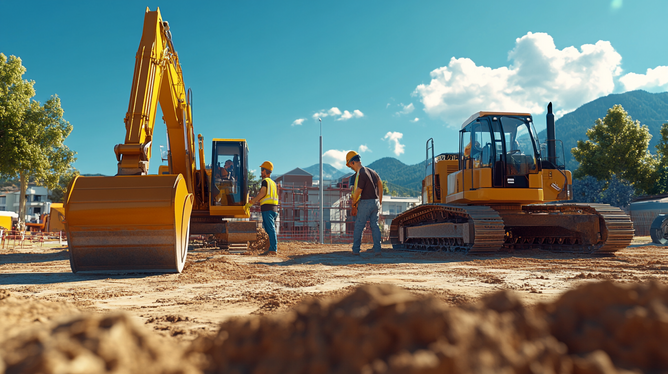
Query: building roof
[[297, 172]]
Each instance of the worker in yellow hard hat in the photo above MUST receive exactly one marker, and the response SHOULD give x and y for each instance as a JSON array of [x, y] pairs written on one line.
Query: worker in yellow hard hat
[[367, 198], [268, 198]]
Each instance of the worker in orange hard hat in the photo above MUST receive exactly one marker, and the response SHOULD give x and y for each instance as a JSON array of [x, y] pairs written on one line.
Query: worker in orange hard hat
[[367, 198], [268, 198]]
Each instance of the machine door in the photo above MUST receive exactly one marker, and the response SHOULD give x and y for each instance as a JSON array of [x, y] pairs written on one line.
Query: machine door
[[229, 171], [515, 151]]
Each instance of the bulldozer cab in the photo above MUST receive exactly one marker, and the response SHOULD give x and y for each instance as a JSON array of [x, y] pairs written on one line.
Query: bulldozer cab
[[229, 171], [504, 143]]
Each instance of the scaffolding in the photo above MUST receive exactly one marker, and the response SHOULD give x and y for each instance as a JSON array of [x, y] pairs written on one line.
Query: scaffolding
[[299, 215]]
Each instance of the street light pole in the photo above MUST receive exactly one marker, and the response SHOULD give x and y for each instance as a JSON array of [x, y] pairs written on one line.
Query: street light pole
[[322, 180]]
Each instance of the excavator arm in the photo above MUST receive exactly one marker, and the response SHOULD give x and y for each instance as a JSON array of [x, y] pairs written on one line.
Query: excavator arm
[[157, 78]]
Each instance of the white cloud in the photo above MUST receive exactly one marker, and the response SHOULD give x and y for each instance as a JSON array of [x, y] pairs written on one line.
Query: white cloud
[[655, 79], [298, 122], [415, 120], [616, 4], [335, 158], [405, 109], [537, 74], [393, 138], [347, 115], [336, 112], [363, 148]]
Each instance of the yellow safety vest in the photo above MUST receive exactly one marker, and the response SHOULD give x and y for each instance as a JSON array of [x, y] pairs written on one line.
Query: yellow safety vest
[[271, 197], [357, 177]]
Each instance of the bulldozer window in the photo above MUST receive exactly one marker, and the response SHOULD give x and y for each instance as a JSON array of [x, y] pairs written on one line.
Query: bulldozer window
[[481, 151]]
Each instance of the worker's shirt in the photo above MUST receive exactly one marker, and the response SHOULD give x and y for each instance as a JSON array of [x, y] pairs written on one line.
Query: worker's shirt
[[367, 180], [270, 200]]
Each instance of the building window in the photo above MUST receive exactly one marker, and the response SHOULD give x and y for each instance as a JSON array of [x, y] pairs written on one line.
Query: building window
[[37, 210], [3, 200], [297, 215], [36, 198]]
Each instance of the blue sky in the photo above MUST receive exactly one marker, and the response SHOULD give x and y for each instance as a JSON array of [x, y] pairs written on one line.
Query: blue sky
[[384, 76]]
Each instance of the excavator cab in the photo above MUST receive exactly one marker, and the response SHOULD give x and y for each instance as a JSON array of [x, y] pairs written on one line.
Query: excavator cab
[[499, 161], [229, 173], [506, 144]]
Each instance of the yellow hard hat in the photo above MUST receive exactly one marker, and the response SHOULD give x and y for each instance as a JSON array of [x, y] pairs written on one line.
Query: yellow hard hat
[[349, 157], [267, 165]]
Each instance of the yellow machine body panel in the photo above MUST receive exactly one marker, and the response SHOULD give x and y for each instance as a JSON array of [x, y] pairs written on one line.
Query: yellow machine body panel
[[135, 223], [56, 218], [6, 222]]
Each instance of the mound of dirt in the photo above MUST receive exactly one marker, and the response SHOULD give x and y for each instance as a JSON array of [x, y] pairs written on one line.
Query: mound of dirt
[[596, 328], [384, 329], [629, 324], [91, 344], [260, 244]]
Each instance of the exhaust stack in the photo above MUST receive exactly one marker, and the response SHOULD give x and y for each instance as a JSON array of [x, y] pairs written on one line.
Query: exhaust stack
[[551, 142]]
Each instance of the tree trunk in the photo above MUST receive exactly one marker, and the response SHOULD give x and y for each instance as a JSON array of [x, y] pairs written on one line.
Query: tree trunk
[[22, 200]]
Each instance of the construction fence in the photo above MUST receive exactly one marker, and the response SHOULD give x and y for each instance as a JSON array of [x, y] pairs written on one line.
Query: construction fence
[[299, 216], [11, 239]]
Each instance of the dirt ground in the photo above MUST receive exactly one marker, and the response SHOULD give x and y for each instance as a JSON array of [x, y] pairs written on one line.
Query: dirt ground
[[216, 285]]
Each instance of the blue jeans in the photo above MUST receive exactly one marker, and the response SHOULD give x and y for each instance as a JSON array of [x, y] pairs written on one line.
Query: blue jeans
[[269, 224], [367, 210]]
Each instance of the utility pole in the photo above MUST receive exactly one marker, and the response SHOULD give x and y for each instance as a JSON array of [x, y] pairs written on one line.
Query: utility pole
[[322, 180]]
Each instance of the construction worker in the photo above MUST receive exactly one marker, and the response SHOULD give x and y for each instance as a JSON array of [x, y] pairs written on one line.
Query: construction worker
[[268, 198], [367, 198]]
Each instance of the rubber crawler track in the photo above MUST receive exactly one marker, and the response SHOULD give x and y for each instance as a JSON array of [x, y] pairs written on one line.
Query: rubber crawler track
[[489, 232]]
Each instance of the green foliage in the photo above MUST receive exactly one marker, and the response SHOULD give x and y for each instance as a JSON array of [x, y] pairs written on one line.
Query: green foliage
[[650, 109], [254, 183], [661, 187], [386, 189], [31, 134], [58, 194], [405, 180], [616, 192], [617, 145]]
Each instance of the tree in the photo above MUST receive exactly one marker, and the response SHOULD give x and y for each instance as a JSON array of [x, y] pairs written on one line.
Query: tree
[[31, 134], [386, 189], [253, 184], [661, 186], [617, 145], [615, 192], [58, 194]]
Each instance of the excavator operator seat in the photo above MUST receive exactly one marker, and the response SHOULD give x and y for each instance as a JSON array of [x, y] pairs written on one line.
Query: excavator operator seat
[[229, 172]]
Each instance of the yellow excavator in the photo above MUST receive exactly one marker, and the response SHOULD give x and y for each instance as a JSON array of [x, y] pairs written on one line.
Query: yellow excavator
[[135, 222], [499, 192]]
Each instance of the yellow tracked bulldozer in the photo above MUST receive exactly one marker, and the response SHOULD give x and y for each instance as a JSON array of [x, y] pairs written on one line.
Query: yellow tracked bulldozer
[[498, 192], [135, 222]]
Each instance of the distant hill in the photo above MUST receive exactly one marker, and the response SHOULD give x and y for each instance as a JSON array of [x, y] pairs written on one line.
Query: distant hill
[[648, 108], [402, 178], [330, 172]]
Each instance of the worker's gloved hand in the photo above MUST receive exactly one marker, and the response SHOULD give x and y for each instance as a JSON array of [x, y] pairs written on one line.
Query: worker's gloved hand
[[247, 207]]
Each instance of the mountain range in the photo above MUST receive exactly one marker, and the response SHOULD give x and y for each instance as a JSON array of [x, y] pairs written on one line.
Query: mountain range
[[647, 108]]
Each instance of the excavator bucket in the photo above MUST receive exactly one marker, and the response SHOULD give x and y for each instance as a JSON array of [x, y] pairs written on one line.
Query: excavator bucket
[[128, 223]]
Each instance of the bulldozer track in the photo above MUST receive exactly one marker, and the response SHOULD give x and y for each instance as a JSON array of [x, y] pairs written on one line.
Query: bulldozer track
[[489, 233], [488, 229]]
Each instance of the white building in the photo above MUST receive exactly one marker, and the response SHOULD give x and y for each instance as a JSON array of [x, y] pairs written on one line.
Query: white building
[[37, 202], [395, 205]]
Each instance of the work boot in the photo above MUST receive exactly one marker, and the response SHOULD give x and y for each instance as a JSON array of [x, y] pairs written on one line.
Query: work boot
[[268, 253]]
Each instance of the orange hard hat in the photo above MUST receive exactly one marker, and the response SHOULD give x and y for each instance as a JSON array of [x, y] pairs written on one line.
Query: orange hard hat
[[349, 157], [267, 165]]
